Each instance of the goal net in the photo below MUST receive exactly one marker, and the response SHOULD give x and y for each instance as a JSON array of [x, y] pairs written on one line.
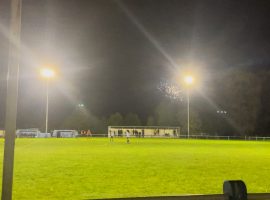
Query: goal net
[[144, 131]]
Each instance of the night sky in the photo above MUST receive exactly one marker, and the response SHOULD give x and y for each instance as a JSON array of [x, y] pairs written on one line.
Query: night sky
[[112, 55]]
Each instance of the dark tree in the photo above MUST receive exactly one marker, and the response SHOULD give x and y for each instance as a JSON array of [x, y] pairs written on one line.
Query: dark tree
[[132, 119], [239, 93], [116, 119]]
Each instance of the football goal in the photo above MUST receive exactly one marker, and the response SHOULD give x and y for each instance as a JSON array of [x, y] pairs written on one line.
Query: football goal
[[144, 131]]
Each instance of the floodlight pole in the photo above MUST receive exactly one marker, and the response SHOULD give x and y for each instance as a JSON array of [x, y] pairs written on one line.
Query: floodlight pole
[[11, 99], [47, 105], [188, 112]]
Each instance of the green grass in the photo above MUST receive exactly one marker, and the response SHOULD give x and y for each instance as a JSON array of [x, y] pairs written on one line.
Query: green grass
[[95, 168]]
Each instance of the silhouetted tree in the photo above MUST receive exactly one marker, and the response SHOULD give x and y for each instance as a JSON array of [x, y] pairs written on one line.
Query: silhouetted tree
[[195, 124], [116, 119], [150, 121], [78, 119], [239, 93], [165, 114], [132, 119]]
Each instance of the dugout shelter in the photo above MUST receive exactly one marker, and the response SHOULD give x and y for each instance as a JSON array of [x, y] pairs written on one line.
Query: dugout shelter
[[31, 132], [144, 131], [65, 133]]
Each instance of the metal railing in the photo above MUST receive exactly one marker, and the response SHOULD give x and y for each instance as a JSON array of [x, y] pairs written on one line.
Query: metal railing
[[209, 137], [217, 137]]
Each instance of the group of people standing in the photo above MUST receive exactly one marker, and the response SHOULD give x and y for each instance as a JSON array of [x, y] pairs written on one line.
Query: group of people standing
[[112, 134]]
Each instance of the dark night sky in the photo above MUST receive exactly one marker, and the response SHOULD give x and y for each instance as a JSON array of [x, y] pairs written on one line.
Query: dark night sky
[[113, 54]]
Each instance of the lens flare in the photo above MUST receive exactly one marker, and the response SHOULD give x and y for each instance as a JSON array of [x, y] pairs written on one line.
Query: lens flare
[[47, 73]]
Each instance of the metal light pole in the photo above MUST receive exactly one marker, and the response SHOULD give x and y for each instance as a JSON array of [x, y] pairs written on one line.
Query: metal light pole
[[12, 96], [47, 105], [47, 73], [189, 80], [188, 112]]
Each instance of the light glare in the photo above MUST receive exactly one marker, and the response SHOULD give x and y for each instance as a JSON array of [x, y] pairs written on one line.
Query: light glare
[[47, 73], [189, 80]]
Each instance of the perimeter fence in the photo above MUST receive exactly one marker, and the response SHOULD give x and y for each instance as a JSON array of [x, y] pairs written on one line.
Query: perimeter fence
[[206, 137]]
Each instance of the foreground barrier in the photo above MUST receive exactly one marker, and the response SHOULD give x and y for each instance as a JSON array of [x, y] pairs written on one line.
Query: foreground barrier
[[255, 196], [232, 190]]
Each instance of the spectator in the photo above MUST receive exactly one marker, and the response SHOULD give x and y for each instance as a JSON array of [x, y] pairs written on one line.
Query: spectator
[[128, 136], [111, 136]]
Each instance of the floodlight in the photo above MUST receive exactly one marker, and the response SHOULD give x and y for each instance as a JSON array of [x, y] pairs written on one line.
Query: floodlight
[[47, 73], [189, 80]]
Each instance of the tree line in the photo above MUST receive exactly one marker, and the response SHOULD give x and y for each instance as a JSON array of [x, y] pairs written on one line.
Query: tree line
[[237, 103], [165, 114]]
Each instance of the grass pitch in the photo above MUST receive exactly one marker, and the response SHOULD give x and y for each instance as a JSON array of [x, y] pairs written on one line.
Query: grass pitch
[[85, 168]]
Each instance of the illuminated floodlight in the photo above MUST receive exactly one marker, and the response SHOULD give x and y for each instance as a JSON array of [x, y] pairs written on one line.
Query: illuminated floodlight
[[47, 73], [189, 80], [81, 105]]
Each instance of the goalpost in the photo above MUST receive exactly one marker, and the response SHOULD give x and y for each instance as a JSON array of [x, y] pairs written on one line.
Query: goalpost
[[144, 131]]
